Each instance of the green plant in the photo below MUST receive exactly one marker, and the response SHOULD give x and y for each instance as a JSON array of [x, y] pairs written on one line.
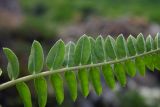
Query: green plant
[[87, 54]]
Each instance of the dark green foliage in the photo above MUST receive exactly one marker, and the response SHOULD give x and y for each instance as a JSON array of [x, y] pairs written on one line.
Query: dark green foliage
[[114, 57]]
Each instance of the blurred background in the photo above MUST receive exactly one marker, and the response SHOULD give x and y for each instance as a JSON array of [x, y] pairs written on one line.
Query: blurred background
[[22, 21]]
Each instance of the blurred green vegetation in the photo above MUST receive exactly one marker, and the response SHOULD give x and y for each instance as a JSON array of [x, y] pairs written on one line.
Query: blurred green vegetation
[[47, 15], [132, 99]]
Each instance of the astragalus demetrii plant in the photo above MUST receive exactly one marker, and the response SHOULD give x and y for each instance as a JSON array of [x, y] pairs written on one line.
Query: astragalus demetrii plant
[[83, 60]]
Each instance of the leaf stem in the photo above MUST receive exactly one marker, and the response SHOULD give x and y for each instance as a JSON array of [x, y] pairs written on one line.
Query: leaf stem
[[46, 73]]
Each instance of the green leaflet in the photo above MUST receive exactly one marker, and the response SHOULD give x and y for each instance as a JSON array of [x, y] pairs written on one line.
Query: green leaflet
[[149, 58], [130, 68], [140, 65], [156, 60], [82, 51], [108, 76], [131, 44], [69, 54], [24, 93], [121, 47], [55, 56], [41, 91], [110, 47], [157, 41], [120, 73], [96, 81], [92, 58], [149, 43], [149, 62], [81, 56], [13, 64], [57, 84], [54, 60], [72, 84], [69, 75], [83, 78], [0, 71], [140, 44], [36, 58], [99, 49]]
